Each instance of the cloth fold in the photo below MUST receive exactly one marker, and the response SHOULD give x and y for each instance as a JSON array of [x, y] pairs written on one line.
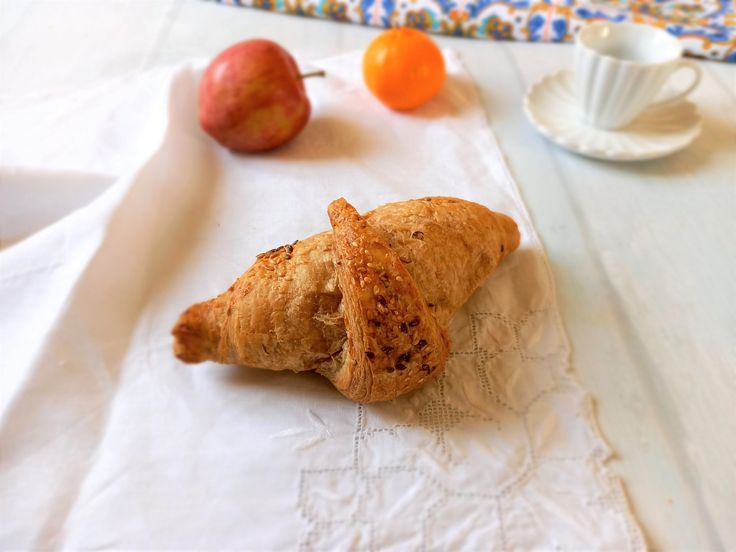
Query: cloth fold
[[109, 442]]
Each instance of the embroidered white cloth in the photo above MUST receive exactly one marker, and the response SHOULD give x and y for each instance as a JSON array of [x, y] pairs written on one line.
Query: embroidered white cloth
[[118, 213]]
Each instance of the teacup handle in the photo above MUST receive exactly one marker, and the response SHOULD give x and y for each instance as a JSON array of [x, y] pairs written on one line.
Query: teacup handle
[[697, 75]]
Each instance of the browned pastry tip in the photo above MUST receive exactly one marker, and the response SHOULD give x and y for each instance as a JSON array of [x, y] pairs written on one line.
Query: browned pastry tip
[[195, 334]]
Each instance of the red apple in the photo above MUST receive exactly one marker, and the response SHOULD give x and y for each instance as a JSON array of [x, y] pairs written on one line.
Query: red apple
[[252, 97]]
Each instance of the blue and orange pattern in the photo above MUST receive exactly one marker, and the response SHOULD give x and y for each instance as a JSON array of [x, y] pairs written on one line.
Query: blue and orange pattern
[[707, 28]]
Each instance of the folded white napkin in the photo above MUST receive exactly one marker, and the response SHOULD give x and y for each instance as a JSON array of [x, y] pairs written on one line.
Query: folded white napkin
[[118, 213]]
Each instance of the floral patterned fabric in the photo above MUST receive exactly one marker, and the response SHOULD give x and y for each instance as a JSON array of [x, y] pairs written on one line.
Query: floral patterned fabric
[[707, 28]]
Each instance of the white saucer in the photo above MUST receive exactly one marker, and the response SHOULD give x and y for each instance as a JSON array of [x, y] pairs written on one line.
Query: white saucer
[[551, 107]]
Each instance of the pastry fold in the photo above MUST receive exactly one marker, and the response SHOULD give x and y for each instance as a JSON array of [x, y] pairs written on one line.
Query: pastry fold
[[367, 305]]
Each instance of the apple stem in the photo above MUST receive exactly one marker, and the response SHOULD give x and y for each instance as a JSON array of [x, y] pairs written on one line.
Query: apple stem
[[319, 73]]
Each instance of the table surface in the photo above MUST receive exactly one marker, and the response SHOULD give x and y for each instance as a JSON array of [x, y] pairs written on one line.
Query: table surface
[[643, 254]]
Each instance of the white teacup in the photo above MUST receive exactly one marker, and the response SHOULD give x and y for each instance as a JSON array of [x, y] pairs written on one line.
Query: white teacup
[[620, 68]]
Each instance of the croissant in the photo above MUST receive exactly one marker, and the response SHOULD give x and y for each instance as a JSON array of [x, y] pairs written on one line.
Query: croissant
[[366, 305]]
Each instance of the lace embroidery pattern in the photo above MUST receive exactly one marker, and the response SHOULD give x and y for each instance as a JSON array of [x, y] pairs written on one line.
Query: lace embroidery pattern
[[463, 462]]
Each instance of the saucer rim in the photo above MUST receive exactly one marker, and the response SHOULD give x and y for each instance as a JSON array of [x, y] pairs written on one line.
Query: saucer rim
[[604, 154]]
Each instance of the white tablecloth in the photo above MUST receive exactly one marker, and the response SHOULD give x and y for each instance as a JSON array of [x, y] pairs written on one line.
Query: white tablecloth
[[108, 441]]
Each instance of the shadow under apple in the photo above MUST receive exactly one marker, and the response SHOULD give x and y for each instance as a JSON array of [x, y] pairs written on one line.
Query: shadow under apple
[[326, 138]]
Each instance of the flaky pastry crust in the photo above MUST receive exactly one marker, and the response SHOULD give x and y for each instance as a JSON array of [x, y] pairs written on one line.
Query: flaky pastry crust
[[326, 304]]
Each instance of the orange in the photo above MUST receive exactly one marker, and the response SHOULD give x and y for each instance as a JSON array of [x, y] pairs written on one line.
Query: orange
[[403, 68]]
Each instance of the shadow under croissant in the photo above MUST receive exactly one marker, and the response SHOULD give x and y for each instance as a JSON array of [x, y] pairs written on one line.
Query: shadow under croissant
[[289, 386], [287, 382]]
